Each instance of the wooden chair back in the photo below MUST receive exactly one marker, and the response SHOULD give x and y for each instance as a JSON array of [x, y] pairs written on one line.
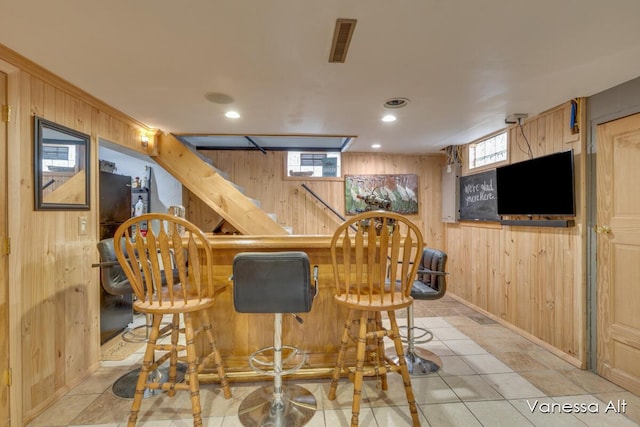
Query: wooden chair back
[[375, 256], [169, 265]]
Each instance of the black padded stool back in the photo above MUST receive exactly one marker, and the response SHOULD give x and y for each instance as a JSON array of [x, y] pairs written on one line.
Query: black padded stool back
[[112, 276], [430, 286], [272, 282]]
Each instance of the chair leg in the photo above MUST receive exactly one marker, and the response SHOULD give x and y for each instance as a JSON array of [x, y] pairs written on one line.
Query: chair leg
[[420, 361], [278, 404], [357, 382], [340, 362], [192, 370], [380, 353], [173, 358], [213, 352], [404, 371], [147, 364]]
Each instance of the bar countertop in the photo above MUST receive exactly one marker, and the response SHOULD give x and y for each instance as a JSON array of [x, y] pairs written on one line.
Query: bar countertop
[[268, 242]]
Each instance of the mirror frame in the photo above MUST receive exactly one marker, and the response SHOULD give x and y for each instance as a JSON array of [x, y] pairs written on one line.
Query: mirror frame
[[40, 125]]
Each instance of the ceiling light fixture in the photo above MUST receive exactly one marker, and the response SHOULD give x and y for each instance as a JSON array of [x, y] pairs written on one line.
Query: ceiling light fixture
[[232, 114], [389, 118], [395, 103], [375, 145]]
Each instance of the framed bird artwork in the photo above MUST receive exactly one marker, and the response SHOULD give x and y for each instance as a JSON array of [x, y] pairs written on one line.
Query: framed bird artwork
[[395, 193]]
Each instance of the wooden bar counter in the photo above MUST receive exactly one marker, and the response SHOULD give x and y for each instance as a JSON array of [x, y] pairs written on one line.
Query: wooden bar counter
[[238, 335]]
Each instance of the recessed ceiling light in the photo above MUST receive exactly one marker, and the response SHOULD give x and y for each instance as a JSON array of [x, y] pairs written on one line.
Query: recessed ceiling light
[[232, 114], [389, 118], [396, 103], [375, 145]]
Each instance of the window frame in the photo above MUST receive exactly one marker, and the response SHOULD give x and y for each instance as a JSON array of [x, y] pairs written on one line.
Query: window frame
[[485, 139], [337, 154]]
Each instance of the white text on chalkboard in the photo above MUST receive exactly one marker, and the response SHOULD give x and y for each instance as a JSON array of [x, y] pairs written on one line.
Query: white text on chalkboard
[[478, 192]]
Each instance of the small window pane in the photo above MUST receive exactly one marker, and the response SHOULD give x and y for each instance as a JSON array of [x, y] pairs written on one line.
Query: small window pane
[[489, 151], [310, 159], [313, 165]]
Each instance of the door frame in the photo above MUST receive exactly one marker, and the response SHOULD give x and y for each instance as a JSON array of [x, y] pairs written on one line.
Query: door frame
[[12, 222], [5, 366]]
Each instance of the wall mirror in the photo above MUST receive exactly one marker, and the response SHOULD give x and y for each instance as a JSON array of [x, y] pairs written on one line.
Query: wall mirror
[[61, 167]]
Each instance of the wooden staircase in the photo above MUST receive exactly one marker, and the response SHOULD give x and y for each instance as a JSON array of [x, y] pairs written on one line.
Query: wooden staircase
[[204, 181]]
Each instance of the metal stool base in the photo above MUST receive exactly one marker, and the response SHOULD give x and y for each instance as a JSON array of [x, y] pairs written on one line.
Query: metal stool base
[[125, 386], [419, 361], [259, 409]]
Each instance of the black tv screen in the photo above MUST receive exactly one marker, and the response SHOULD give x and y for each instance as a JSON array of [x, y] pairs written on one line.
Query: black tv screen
[[540, 186]]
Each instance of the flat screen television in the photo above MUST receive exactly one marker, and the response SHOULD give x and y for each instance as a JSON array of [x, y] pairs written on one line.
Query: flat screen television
[[542, 186]]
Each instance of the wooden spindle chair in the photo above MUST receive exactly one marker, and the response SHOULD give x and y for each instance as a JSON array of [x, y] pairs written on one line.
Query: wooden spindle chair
[[374, 267], [174, 245]]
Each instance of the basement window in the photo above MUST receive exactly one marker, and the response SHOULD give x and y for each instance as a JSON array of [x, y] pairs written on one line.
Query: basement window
[[488, 151], [301, 164]]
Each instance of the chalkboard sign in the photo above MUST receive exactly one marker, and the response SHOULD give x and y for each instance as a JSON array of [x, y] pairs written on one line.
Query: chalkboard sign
[[478, 197]]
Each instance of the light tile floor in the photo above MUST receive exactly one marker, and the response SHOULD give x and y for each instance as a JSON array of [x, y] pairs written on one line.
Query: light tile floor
[[491, 376]]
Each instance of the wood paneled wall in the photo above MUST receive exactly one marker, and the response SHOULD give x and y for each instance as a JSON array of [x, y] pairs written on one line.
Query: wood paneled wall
[[262, 177], [529, 278], [53, 290], [532, 278]]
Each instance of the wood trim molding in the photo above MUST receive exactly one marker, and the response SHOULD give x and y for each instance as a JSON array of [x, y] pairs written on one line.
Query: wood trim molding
[[14, 274]]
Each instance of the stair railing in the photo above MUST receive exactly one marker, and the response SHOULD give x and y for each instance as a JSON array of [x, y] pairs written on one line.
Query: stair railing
[[325, 204]]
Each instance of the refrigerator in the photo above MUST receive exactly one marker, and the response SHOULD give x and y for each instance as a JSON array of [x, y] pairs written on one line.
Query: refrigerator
[[116, 311], [115, 202]]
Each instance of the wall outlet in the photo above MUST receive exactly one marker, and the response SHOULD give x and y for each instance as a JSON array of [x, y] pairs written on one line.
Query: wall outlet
[[82, 226]]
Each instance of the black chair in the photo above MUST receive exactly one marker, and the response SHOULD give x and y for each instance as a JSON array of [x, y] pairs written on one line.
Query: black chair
[[275, 282], [118, 288], [116, 296], [430, 284], [112, 277]]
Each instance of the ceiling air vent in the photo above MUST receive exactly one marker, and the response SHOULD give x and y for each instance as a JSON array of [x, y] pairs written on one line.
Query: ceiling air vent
[[341, 39]]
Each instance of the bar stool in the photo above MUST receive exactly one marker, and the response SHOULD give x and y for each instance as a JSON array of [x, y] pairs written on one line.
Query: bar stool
[[373, 270], [430, 284], [163, 249], [275, 282]]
